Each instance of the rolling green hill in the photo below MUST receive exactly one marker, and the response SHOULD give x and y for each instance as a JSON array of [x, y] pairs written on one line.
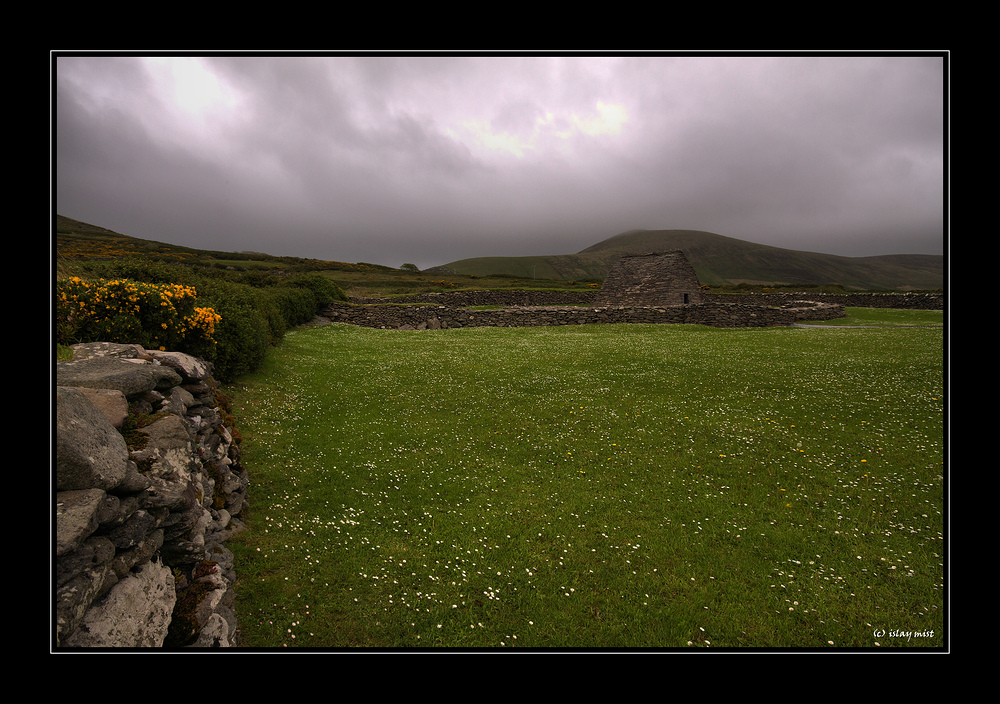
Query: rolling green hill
[[81, 247], [721, 260], [717, 259], [76, 240]]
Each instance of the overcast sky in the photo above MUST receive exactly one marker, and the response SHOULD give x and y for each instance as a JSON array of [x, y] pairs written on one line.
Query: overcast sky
[[430, 159]]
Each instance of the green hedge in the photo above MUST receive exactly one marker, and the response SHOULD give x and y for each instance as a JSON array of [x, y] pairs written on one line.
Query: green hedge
[[255, 309]]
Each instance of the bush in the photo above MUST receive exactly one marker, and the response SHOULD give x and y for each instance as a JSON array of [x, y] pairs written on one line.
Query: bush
[[239, 316], [136, 269], [295, 305], [156, 316], [246, 331], [324, 290], [300, 299]]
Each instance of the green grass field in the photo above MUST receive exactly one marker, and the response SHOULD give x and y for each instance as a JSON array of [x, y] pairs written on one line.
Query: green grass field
[[619, 487], [887, 317]]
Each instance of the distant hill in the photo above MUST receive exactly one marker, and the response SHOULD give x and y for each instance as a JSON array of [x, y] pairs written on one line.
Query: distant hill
[[81, 240], [721, 260], [718, 260], [76, 239]]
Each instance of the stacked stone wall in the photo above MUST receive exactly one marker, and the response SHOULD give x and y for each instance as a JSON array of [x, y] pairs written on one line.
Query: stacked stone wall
[[148, 488], [491, 297], [431, 317], [905, 301], [541, 297], [529, 308]]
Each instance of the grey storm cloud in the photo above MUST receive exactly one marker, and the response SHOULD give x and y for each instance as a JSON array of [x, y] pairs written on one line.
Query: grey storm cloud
[[428, 159]]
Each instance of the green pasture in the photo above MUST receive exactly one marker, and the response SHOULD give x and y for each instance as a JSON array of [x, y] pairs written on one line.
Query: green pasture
[[887, 317], [617, 487]]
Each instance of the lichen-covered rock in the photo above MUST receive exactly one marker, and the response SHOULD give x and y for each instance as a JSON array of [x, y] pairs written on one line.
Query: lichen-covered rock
[[170, 463], [190, 368], [77, 517], [135, 613]]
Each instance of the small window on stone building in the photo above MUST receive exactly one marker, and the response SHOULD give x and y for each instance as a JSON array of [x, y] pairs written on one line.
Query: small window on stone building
[[685, 298]]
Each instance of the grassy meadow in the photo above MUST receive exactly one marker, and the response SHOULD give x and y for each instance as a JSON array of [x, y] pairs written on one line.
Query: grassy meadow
[[617, 486]]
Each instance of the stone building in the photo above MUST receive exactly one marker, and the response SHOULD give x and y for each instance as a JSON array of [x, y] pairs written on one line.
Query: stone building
[[654, 279]]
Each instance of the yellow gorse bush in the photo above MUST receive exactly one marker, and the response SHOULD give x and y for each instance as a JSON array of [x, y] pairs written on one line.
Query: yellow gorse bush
[[206, 319], [157, 316]]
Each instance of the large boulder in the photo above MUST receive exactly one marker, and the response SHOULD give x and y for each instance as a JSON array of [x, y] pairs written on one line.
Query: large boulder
[[132, 377], [82, 577], [86, 350], [90, 452], [135, 613], [190, 368]]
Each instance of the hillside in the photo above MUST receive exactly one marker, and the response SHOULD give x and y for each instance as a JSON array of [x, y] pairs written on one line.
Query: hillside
[[717, 259], [76, 240], [721, 260], [81, 247]]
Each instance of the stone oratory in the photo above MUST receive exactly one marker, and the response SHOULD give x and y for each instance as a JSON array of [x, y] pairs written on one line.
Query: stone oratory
[[651, 280]]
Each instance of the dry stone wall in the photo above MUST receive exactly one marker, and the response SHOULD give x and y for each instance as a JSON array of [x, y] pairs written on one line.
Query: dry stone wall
[[142, 514], [491, 297], [526, 308], [541, 297], [905, 301], [436, 317]]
